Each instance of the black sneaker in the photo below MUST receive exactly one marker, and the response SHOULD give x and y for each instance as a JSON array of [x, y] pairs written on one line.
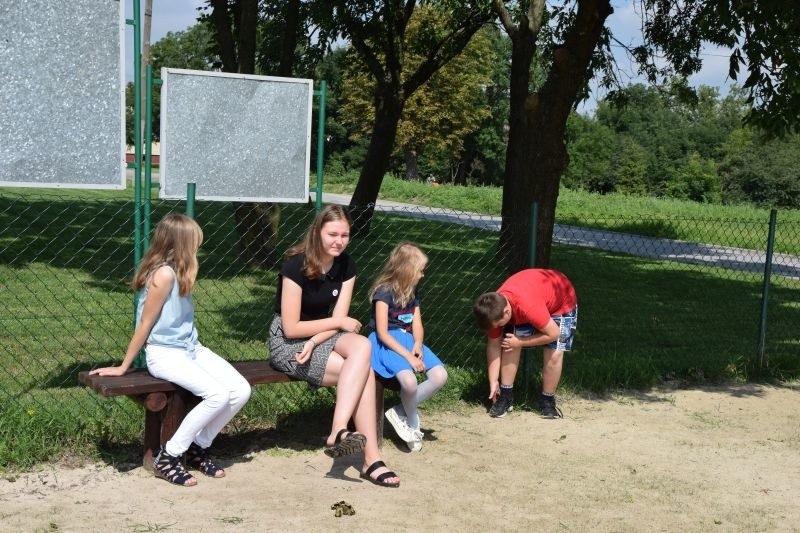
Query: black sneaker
[[547, 406], [502, 406]]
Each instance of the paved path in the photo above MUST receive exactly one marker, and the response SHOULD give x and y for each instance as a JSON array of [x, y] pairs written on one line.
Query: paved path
[[665, 249]]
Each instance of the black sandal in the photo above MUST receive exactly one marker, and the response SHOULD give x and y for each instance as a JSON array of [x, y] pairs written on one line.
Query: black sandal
[[198, 458], [380, 479], [352, 443], [169, 467]]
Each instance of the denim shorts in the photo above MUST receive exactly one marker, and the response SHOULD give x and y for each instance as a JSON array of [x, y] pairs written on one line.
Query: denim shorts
[[567, 322]]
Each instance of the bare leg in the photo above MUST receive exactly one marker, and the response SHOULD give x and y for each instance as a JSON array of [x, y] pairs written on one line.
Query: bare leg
[[348, 369], [367, 426], [551, 369], [509, 362]]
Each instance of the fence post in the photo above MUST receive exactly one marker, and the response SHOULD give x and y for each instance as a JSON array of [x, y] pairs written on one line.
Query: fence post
[[148, 155], [190, 193], [527, 352], [320, 143], [138, 242], [762, 330]]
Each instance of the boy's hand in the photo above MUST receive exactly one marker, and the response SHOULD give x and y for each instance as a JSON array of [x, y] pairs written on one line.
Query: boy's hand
[[494, 390], [510, 342]]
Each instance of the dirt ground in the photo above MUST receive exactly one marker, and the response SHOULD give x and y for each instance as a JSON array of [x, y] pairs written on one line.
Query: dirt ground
[[710, 459]]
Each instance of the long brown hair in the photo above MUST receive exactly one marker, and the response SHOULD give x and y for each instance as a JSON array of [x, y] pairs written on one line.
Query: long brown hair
[[175, 242], [405, 261], [312, 242]]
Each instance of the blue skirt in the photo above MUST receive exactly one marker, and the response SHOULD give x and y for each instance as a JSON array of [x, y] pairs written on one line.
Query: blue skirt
[[388, 363]]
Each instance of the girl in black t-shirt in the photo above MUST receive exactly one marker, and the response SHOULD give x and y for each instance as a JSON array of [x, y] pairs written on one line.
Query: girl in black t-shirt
[[309, 341]]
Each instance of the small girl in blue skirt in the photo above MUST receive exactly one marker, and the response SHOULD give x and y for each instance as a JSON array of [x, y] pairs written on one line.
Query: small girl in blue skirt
[[397, 340]]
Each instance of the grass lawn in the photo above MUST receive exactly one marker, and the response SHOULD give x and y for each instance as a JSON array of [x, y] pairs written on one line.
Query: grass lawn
[[65, 307]]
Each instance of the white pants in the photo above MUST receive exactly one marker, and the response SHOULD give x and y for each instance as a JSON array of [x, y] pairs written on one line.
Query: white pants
[[205, 374]]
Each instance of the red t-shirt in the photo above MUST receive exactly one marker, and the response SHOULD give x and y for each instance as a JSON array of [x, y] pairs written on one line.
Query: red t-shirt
[[536, 294]]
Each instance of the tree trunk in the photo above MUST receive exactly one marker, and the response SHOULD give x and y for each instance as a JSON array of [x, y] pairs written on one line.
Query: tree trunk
[[257, 224], [221, 17], [461, 169], [410, 157], [388, 108], [537, 155], [247, 25], [290, 38], [515, 211]]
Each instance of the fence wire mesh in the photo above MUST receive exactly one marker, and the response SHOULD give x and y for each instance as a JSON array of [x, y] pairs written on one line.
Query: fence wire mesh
[[661, 294]]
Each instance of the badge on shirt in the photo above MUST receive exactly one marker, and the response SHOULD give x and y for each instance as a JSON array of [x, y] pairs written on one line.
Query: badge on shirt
[[335, 292]]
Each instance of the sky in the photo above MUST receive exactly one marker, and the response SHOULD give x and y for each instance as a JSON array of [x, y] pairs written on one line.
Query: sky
[[168, 15], [177, 15]]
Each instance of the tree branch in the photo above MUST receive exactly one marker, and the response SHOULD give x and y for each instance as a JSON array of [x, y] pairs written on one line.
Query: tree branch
[[505, 19]]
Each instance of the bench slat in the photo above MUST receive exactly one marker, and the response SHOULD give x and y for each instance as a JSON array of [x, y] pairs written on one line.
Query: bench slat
[[141, 382]]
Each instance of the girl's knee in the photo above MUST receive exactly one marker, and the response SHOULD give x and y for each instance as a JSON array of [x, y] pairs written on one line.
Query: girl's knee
[[357, 347], [241, 394], [363, 352], [217, 398], [438, 375], [409, 386], [364, 346], [407, 380]]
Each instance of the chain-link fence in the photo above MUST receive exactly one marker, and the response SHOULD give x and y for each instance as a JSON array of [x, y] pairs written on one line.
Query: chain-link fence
[[652, 308]]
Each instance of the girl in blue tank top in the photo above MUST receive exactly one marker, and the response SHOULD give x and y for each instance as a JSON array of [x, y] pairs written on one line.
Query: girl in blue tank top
[[165, 329]]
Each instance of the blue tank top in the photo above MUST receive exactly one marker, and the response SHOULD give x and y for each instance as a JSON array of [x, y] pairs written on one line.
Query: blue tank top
[[175, 325]]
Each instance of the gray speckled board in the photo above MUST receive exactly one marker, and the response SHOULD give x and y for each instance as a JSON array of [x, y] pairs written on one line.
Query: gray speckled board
[[237, 137]]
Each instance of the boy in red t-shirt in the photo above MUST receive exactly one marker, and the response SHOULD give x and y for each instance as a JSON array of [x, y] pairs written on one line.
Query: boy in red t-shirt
[[534, 307]]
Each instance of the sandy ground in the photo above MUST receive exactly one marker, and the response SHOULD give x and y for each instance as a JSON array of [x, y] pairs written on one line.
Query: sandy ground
[[711, 459]]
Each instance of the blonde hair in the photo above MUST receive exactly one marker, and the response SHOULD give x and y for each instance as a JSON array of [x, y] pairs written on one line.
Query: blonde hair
[[399, 272], [175, 242], [312, 241]]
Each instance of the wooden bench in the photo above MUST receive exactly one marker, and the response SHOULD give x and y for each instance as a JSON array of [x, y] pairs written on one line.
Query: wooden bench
[[166, 404]]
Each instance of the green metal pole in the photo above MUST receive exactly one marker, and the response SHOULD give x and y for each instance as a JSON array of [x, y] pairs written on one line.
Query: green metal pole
[[762, 330], [190, 193], [148, 162], [320, 142], [534, 226], [526, 362], [137, 134], [138, 248]]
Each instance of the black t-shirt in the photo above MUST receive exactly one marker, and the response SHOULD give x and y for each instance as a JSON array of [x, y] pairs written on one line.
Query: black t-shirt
[[399, 317], [319, 295]]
